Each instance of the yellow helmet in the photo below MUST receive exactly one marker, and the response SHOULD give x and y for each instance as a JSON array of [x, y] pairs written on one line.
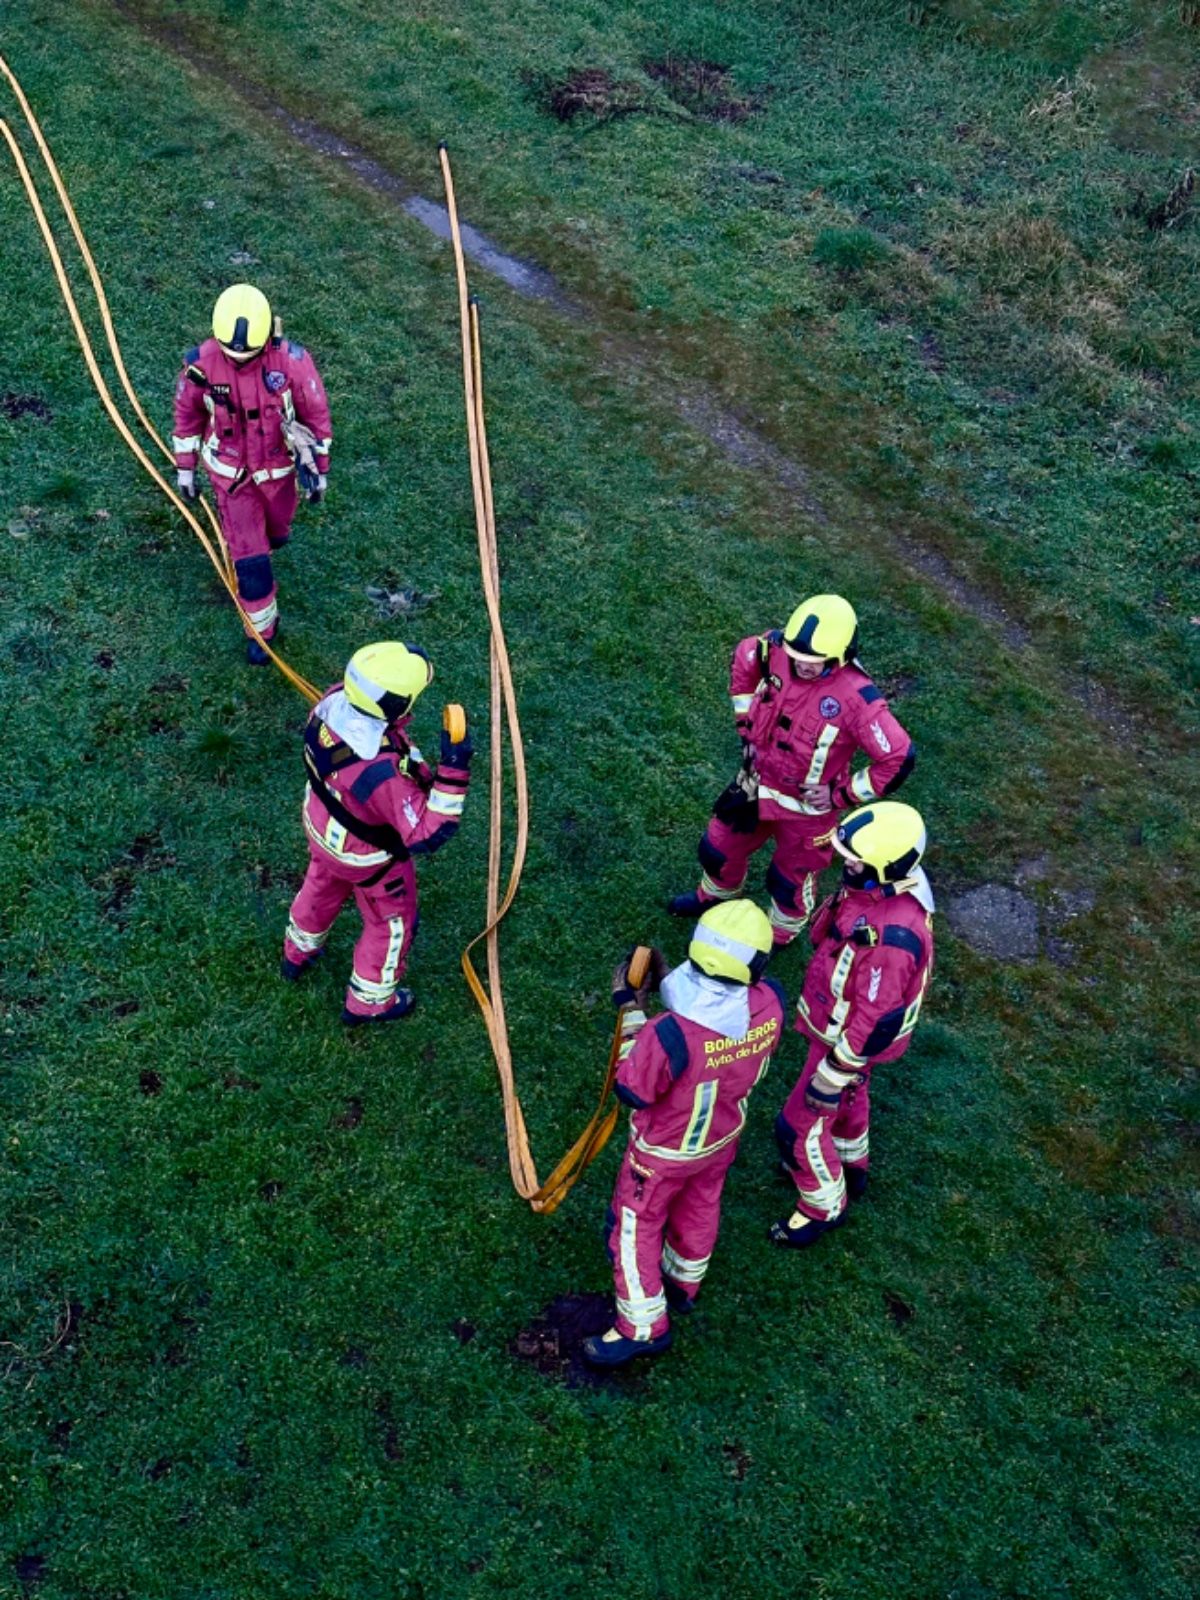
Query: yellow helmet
[[241, 320], [385, 679], [887, 836], [824, 627], [732, 940]]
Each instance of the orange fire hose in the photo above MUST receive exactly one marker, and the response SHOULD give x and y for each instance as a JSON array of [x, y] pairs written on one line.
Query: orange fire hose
[[215, 551], [547, 1196]]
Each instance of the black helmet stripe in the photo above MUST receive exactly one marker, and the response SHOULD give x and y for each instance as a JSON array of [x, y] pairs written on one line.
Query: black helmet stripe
[[851, 826], [394, 705], [802, 639], [241, 335]]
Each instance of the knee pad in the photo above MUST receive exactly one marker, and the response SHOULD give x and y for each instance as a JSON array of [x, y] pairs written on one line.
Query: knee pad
[[254, 577], [785, 1138], [782, 890], [711, 859]]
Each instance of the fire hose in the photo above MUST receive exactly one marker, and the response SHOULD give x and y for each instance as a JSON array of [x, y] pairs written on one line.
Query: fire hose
[[542, 1196]]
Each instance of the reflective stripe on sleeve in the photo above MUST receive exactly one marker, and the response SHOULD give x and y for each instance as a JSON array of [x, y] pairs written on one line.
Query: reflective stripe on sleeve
[[445, 804], [180, 446], [861, 787]]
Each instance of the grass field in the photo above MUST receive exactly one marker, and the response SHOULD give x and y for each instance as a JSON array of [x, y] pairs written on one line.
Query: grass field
[[263, 1283]]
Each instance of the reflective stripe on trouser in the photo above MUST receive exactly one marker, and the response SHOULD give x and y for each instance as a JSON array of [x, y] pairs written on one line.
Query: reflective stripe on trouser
[[389, 917], [786, 921], [818, 1146], [665, 1216]]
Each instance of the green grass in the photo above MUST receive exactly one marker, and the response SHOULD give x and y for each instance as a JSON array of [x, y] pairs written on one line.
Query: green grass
[[240, 1246]]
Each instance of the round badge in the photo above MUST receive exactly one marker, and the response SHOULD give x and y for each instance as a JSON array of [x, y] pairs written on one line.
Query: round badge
[[830, 707]]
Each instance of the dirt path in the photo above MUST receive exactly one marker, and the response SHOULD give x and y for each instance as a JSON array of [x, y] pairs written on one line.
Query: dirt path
[[739, 443]]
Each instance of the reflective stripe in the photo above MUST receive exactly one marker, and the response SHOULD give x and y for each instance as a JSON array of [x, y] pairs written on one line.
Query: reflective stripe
[[682, 1268], [322, 446], [840, 1080], [913, 1011], [820, 753], [302, 939], [715, 891], [333, 842], [704, 1104], [391, 961], [741, 703], [852, 1150], [208, 454], [861, 786], [828, 1034], [265, 615], [267, 474], [444, 803], [789, 802], [636, 1308], [837, 986], [830, 1194], [192, 442]]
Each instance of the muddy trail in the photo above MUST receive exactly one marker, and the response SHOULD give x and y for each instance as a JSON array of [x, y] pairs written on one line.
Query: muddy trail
[[735, 441]]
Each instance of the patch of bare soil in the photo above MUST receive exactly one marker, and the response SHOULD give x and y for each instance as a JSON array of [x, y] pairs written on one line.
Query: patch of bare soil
[[587, 92], [24, 405], [553, 1341], [705, 88]]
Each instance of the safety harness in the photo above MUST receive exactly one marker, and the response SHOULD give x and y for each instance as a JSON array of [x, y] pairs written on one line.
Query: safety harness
[[321, 761]]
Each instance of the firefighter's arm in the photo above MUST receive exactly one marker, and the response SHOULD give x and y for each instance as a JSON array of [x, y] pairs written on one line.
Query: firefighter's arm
[[312, 405], [190, 412], [745, 675], [876, 989], [891, 754], [652, 1056], [428, 820]]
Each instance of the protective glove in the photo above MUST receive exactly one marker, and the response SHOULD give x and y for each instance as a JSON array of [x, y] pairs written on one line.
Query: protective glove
[[456, 755], [821, 1096], [186, 480], [624, 995], [317, 493]]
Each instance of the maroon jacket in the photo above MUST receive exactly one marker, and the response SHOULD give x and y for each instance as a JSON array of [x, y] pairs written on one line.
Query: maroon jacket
[[230, 413], [688, 1085], [807, 733], [872, 962], [393, 791]]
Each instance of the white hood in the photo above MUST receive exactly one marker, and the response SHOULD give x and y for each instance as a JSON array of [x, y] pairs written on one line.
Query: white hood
[[723, 1007]]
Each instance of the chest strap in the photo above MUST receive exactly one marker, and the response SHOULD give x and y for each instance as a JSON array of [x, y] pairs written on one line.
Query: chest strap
[[379, 835]]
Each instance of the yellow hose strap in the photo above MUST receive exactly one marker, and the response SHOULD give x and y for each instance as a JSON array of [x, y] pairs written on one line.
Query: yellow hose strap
[[215, 550], [547, 1196]]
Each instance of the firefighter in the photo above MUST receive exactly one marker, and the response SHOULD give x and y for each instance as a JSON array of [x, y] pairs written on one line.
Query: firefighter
[[802, 706], [687, 1074], [372, 805], [252, 408], [871, 965]]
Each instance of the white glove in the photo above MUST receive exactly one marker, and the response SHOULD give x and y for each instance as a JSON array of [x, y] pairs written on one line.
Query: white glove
[[186, 479]]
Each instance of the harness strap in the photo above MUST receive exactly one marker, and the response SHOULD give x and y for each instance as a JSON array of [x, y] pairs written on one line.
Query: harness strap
[[380, 835]]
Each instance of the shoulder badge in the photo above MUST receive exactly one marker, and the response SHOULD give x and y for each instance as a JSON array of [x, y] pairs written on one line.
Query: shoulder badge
[[275, 381], [296, 351], [829, 707]]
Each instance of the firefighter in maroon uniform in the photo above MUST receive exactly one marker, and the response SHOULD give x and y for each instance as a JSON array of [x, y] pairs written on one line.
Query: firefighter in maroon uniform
[[371, 806], [803, 706], [252, 407], [872, 961], [687, 1073]]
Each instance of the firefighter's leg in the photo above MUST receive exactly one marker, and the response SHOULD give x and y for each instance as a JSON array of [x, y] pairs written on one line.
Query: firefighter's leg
[[806, 1142], [637, 1222], [851, 1138], [792, 878], [313, 912], [389, 913], [280, 498], [244, 524], [723, 855], [693, 1223]]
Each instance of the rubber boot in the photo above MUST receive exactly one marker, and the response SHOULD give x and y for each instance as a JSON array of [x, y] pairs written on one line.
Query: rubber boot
[[689, 905], [256, 656], [289, 970], [404, 1005], [680, 1301], [602, 1351], [797, 1232]]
